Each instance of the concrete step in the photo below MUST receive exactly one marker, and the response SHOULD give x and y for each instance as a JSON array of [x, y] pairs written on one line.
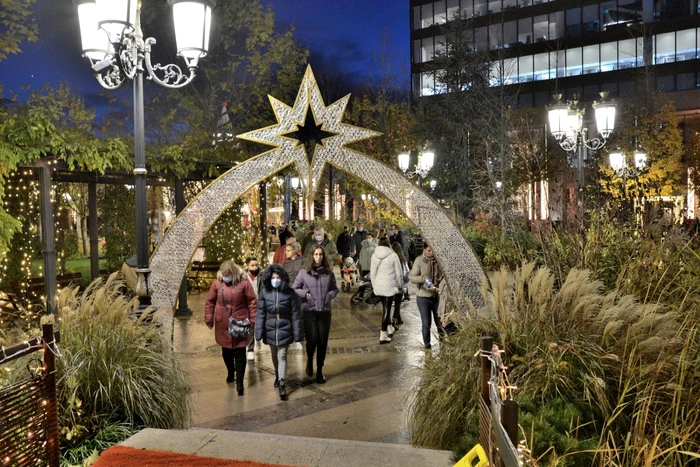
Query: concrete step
[[289, 450]]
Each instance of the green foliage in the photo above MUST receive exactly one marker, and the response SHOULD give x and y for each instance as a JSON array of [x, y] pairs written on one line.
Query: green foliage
[[117, 373], [71, 247], [225, 239], [19, 25], [595, 371], [108, 434], [118, 226]]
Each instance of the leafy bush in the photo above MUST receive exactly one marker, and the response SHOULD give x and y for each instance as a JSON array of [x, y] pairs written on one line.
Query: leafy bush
[[71, 246]]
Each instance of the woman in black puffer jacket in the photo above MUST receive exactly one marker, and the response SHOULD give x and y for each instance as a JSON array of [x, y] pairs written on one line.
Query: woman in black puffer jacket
[[278, 320]]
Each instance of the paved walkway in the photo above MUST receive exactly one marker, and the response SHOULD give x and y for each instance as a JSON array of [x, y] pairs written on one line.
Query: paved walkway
[[366, 397]]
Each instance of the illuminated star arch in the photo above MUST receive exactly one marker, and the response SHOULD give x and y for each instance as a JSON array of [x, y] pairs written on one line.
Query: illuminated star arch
[[295, 127]]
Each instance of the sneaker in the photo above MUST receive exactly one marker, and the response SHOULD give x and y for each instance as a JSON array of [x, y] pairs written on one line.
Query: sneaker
[[251, 356], [384, 337], [390, 330]]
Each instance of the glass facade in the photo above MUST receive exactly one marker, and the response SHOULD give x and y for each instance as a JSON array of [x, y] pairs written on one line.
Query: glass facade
[[597, 58]]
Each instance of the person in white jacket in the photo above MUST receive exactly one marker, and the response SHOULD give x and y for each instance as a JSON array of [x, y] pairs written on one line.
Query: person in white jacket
[[386, 275]]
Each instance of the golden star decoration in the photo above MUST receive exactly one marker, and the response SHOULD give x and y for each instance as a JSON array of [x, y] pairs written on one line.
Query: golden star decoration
[[291, 119]]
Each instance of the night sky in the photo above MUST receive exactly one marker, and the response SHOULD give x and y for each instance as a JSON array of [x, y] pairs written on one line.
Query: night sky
[[341, 35]]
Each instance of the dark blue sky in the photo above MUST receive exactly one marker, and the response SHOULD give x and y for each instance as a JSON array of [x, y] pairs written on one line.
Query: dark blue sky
[[342, 35]]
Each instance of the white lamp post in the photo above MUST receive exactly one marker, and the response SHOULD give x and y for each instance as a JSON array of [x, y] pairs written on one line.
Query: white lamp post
[[423, 166], [113, 42], [566, 125]]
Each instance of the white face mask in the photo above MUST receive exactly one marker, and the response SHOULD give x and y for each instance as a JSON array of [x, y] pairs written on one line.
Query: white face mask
[[360, 229], [319, 238], [227, 279], [276, 283]]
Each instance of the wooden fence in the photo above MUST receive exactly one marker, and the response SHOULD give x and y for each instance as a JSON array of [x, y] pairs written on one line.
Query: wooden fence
[[29, 408]]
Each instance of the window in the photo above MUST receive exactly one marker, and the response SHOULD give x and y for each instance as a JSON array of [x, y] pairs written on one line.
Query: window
[[417, 52], [510, 3], [440, 12], [427, 84], [480, 7], [590, 19], [685, 81], [557, 61], [452, 9], [685, 45], [665, 48], [627, 53], [542, 71], [640, 51], [510, 71], [439, 45], [665, 83], [573, 22], [574, 60], [525, 31], [494, 6], [556, 25], [525, 72], [427, 49], [591, 59], [467, 8], [480, 40], [608, 56], [416, 18], [426, 15], [495, 36], [510, 33], [540, 29]]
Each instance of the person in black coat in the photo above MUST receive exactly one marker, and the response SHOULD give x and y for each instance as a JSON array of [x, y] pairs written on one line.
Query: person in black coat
[[278, 321]]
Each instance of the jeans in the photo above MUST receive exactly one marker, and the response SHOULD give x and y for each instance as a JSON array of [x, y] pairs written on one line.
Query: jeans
[[317, 327], [235, 362], [428, 309], [386, 312], [279, 360]]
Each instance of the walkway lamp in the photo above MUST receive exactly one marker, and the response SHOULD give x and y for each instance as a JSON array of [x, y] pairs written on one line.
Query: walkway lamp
[[425, 163], [113, 42]]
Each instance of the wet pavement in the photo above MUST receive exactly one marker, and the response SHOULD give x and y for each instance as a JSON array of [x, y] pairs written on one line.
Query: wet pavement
[[366, 397]]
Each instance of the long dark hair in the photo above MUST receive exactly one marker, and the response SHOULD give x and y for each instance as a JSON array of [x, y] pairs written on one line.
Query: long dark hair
[[396, 246], [310, 261], [384, 241]]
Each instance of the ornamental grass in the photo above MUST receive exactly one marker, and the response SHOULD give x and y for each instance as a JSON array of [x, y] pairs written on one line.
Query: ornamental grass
[[603, 378]]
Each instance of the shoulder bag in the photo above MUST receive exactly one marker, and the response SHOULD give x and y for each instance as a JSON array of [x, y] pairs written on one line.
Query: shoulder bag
[[238, 328]]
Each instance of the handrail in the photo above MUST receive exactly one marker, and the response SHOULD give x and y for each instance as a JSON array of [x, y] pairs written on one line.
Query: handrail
[[502, 415]]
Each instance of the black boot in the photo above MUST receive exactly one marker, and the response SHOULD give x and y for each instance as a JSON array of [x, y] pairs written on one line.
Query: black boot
[[283, 389], [240, 365], [230, 365], [277, 382], [310, 366], [320, 379]]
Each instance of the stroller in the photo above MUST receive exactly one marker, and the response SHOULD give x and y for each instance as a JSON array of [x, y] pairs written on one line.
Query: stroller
[[364, 297], [350, 276]]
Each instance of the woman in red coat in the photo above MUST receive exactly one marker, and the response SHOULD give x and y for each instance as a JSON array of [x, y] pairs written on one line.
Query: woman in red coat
[[231, 294]]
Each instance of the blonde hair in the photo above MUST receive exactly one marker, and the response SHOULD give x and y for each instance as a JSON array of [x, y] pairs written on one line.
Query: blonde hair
[[296, 247], [235, 270]]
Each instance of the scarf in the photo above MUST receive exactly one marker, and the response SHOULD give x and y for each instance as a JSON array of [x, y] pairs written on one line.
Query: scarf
[[434, 268]]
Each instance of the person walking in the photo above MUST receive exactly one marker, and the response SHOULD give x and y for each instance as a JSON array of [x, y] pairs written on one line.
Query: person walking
[[252, 268], [396, 320], [359, 236], [293, 262], [278, 320], [317, 287], [368, 246], [320, 238], [344, 244], [387, 279], [427, 275], [398, 236], [285, 234], [280, 253], [230, 295]]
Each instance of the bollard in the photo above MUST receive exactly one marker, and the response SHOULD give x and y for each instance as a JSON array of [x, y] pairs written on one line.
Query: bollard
[[486, 345], [509, 420]]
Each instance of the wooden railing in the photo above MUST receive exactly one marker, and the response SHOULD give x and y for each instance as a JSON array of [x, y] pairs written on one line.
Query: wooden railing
[[498, 418], [29, 408]]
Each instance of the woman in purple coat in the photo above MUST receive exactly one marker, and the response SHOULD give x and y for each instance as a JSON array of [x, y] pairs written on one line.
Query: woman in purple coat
[[316, 287]]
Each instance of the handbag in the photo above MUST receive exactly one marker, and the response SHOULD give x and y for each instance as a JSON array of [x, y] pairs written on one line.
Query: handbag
[[238, 328]]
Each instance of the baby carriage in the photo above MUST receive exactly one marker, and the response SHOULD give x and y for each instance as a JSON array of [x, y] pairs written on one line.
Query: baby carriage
[[349, 273], [364, 297]]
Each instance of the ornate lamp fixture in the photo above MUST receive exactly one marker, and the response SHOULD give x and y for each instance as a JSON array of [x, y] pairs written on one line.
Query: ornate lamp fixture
[[113, 42], [425, 163], [566, 123]]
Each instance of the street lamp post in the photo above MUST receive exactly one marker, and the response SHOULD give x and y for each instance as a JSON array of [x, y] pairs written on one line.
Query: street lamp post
[[566, 125], [113, 42], [425, 163]]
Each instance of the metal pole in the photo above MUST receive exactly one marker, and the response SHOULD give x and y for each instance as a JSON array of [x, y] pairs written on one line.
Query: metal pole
[[509, 420], [486, 346], [580, 169], [50, 395], [287, 200], [92, 229], [263, 219], [47, 233], [142, 270], [183, 310]]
